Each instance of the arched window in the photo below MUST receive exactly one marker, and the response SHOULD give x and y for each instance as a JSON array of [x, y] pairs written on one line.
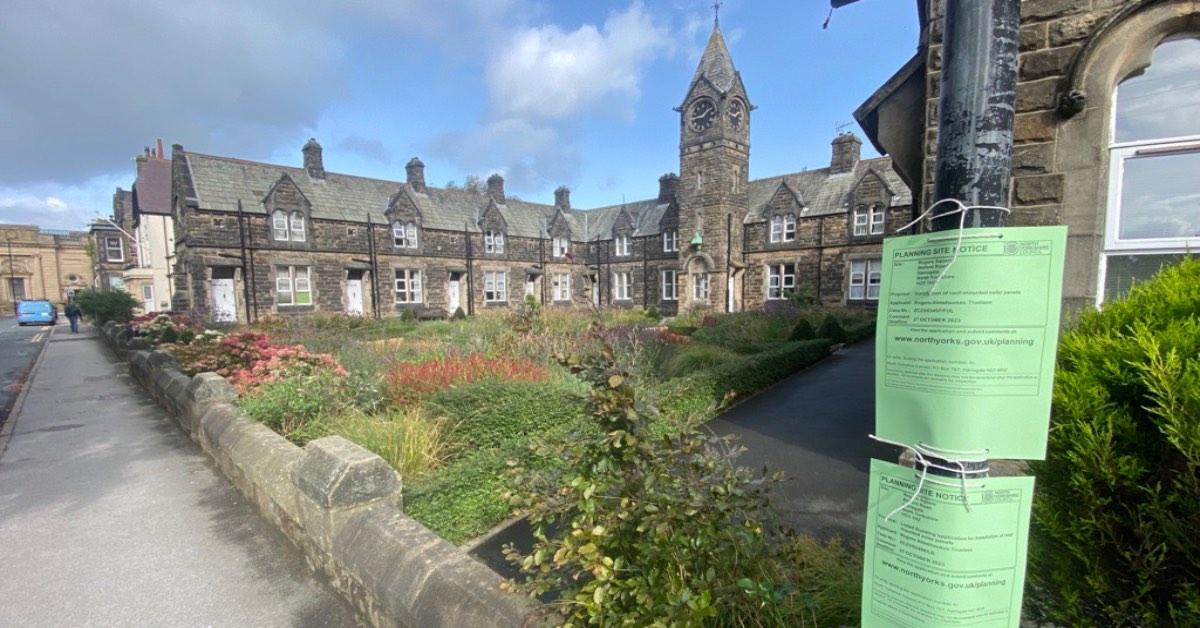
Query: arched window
[[279, 225], [1154, 162], [297, 227]]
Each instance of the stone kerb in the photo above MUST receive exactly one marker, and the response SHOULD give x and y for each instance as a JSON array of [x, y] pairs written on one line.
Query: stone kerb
[[338, 502]]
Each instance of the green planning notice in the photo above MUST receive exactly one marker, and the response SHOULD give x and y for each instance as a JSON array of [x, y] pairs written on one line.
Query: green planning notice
[[934, 563], [966, 357]]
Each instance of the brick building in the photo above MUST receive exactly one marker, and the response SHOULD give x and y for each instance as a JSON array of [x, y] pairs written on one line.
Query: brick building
[[1107, 132], [255, 238]]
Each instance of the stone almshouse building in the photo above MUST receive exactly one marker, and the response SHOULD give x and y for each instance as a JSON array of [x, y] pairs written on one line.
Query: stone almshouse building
[[256, 238]]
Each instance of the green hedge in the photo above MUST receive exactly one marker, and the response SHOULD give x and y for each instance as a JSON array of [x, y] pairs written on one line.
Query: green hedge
[[1116, 535]]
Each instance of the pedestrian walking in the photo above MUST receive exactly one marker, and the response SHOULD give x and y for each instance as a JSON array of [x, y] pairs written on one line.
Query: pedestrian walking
[[73, 314]]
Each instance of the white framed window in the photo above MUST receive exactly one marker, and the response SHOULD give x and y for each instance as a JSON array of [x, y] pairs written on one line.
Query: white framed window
[[670, 285], [789, 227], [621, 281], [495, 286], [493, 241], [560, 286], [621, 245], [293, 285], [562, 246], [776, 228], [148, 293], [865, 275], [1152, 216], [861, 220], [404, 235], [781, 281], [296, 226], [878, 219], [670, 241], [114, 249], [700, 286], [279, 225], [408, 286]]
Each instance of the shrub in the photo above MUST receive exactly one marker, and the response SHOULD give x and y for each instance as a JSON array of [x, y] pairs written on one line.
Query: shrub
[[494, 411], [653, 313], [459, 315], [160, 329], [410, 382], [832, 329], [291, 361], [697, 357], [745, 330], [410, 441], [803, 331], [408, 316], [804, 297], [750, 374], [1117, 510], [635, 529], [106, 305], [295, 406]]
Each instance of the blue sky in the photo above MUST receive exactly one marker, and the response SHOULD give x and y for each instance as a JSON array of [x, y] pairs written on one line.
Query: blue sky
[[547, 93]]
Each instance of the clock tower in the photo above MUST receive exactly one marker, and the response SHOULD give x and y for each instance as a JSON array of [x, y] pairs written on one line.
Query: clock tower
[[714, 159]]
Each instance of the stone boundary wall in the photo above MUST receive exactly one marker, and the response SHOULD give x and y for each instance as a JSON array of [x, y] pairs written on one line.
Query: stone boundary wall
[[339, 503]]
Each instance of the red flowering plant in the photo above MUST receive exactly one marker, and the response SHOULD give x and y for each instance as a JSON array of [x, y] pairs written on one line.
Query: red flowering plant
[[410, 382], [283, 362], [249, 359]]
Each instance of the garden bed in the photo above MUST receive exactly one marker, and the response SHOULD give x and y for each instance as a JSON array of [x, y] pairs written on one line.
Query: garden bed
[[453, 404]]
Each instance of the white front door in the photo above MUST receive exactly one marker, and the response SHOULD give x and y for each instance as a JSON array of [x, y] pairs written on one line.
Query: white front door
[[148, 299], [452, 294], [224, 309], [354, 297], [595, 290]]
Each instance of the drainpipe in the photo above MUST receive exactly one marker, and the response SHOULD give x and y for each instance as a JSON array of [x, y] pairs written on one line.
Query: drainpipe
[[728, 263], [245, 275], [374, 259], [470, 270]]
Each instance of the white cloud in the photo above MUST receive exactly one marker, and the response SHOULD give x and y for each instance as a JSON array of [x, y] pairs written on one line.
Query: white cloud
[[57, 206], [544, 72]]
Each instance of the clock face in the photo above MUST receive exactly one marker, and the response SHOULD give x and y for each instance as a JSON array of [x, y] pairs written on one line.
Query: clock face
[[702, 116], [737, 114]]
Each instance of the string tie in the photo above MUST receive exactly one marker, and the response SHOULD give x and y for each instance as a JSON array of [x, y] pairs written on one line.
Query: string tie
[[962, 209]]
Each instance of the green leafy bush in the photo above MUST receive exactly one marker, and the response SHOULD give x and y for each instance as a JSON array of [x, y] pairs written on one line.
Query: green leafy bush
[[697, 357], [295, 406], [639, 529], [409, 440], [803, 331], [106, 305], [752, 373], [459, 315], [742, 330], [1116, 535], [492, 412], [832, 329]]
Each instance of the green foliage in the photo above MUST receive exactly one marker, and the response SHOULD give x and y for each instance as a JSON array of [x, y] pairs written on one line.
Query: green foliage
[[697, 357], [1115, 538], [492, 412], [639, 529], [459, 315], [106, 305], [803, 330], [804, 297], [832, 329], [408, 315], [408, 440], [745, 332], [295, 406], [653, 314], [527, 316], [755, 372]]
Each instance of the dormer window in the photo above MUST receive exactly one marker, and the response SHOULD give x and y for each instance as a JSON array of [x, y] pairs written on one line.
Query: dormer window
[[404, 235], [783, 228], [561, 247], [621, 245], [296, 225], [493, 241], [288, 227], [877, 219], [670, 241], [114, 249], [869, 220]]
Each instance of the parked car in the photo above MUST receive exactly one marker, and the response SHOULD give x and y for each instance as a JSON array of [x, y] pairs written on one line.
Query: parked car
[[37, 312]]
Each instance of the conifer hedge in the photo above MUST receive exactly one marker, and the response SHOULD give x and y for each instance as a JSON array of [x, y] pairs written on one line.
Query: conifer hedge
[[1116, 536]]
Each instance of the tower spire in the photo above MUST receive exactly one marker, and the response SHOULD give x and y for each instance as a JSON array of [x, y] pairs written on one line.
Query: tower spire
[[716, 13]]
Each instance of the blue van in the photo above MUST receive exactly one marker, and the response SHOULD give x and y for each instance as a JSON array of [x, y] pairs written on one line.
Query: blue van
[[39, 312]]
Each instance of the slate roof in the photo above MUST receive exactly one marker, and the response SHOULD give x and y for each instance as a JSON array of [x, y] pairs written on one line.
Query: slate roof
[[823, 193], [153, 187], [220, 181], [716, 64]]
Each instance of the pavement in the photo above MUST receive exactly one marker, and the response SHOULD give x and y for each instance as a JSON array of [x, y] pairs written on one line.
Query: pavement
[[19, 346], [111, 516], [813, 427]]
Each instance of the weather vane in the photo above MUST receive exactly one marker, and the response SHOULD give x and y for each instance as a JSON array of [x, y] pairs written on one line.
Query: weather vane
[[716, 12]]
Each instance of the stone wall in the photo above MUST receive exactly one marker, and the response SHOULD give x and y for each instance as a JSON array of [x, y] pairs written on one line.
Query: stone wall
[[340, 504]]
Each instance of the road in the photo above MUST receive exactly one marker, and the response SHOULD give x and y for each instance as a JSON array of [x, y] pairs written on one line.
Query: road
[[813, 427], [111, 516], [19, 347]]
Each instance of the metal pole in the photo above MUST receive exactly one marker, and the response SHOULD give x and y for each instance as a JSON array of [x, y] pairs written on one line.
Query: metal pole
[[976, 109], [975, 119]]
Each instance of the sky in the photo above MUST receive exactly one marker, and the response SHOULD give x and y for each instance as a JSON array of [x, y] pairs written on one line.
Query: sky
[[576, 93]]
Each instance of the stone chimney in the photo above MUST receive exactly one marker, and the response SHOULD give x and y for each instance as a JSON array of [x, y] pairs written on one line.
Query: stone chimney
[[312, 159], [847, 149], [668, 185], [562, 197], [415, 172], [495, 187]]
